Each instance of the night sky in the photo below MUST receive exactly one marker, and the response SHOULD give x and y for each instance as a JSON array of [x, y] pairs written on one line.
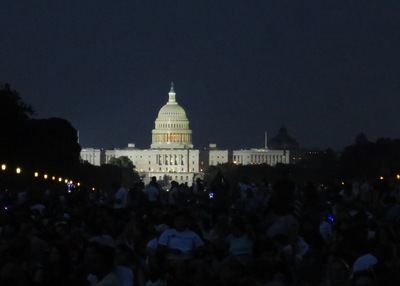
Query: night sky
[[326, 70]]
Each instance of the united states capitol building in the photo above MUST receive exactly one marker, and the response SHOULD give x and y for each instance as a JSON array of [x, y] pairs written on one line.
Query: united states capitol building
[[171, 154]]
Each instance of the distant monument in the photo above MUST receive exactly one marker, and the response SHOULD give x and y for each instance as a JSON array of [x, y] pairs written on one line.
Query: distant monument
[[283, 141]]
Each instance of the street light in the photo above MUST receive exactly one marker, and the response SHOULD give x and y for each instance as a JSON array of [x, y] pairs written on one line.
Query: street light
[[3, 167], [18, 170]]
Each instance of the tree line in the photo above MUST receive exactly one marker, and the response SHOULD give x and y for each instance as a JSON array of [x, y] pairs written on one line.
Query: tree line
[[51, 145], [47, 145]]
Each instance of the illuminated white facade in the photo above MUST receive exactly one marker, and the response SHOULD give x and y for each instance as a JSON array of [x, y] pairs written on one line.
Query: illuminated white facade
[[93, 156], [261, 156], [218, 157], [172, 155], [177, 164]]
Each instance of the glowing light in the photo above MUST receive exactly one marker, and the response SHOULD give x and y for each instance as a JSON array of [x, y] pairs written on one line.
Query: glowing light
[[45, 176], [398, 177], [36, 174], [93, 189], [78, 184], [66, 180], [53, 178], [3, 167], [18, 170], [60, 179], [381, 178]]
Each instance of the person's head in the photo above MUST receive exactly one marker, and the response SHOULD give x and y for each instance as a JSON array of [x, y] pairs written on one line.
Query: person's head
[[270, 250], [338, 272], [385, 234], [292, 226], [364, 278], [181, 221], [386, 252], [99, 259], [60, 257], [348, 188], [123, 255], [249, 193], [116, 185], [62, 229], [238, 226]]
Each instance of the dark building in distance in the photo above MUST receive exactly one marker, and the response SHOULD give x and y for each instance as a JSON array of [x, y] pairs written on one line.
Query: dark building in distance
[[282, 141]]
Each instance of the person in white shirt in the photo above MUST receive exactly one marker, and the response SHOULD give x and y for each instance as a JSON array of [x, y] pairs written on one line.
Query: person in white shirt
[[99, 263], [180, 246], [120, 199], [153, 192], [173, 194]]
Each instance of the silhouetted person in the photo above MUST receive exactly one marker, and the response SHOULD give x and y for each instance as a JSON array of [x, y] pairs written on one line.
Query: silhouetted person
[[284, 194]]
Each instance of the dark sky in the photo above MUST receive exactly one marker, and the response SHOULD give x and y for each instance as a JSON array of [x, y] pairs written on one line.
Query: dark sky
[[326, 70]]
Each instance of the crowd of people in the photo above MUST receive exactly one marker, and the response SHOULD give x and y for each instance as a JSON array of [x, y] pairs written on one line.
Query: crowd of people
[[252, 233]]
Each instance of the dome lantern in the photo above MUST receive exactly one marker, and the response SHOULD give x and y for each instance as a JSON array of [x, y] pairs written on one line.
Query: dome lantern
[[172, 94]]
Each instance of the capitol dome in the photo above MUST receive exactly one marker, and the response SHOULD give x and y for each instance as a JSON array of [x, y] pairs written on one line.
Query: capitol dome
[[171, 126]]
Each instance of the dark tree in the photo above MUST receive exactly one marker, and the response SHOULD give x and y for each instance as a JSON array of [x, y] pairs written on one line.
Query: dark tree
[[12, 108], [122, 161], [14, 114], [52, 143], [129, 175], [370, 160]]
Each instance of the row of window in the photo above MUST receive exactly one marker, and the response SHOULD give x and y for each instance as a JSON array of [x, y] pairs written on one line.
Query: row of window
[[260, 158], [174, 125], [175, 178], [172, 162], [171, 138], [169, 170]]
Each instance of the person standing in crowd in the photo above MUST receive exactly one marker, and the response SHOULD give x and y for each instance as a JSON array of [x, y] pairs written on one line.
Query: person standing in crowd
[[338, 272], [198, 187], [120, 199], [181, 247], [284, 194], [364, 278], [174, 194], [153, 192], [99, 263], [240, 243]]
